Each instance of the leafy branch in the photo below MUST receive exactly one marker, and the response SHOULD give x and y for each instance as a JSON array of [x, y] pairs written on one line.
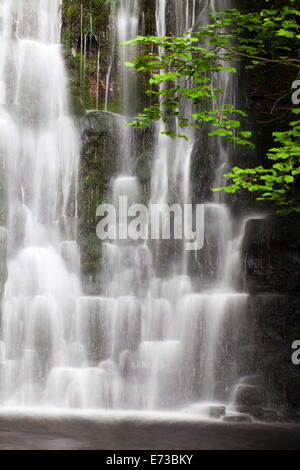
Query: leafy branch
[[184, 70]]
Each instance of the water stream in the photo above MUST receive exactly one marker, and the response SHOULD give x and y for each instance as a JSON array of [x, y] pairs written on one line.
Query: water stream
[[149, 341], [40, 156]]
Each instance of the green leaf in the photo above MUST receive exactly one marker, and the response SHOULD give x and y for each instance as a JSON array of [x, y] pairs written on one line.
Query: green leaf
[[285, 33], [289, 179], [245, 134]]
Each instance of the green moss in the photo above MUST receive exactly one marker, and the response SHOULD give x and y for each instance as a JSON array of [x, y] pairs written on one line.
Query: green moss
[[95, 20], [97, 168], [98, 148]]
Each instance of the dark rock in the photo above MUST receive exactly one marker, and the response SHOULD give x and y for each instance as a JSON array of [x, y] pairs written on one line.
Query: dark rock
[[249, 395], [237, 419], [290, 415], [251, 380], [254, 411], [270, 416], [259, 413], [211, 411], [271, 250], [293, 391], [274, 321], [217, 411]]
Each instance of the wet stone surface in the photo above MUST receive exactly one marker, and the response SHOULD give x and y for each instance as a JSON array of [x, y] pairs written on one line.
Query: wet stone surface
[[129, 433]]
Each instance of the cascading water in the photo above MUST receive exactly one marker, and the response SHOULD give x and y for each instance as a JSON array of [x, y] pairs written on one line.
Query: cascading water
[[150, 341], [199, 317], [162, 337], [40, 155]]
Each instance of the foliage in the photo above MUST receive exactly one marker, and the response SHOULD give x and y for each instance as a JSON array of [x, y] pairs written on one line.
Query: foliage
[[183, 69], [98, 9], [264, 38], [92, 16], [275, 183]]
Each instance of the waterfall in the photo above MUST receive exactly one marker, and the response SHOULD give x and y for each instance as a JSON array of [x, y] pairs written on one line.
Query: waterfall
[[200, 318], [153, 338], [40, 155], [162, 335], [127, 22]]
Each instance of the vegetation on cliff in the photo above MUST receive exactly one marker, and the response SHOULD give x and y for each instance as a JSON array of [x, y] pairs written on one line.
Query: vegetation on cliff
[[261, 39]]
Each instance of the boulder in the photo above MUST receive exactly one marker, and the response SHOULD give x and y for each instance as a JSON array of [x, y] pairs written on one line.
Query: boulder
[[270, 251], [217, 411], [237, 419], [250, 395]]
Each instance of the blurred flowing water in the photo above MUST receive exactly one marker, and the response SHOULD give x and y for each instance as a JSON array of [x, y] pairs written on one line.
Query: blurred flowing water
[[150, 341], [40, 155]]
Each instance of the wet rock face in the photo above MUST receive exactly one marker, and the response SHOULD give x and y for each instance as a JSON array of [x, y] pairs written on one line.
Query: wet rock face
[[217, 411], [100, 156], [274, 323], [293, 390], [97, 167], [271, 259], [271, 254], [237, 419], [250, 395]]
